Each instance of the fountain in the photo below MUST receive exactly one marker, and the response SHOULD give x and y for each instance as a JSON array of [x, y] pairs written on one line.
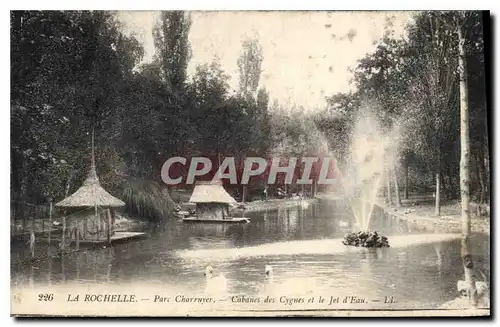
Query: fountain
[[369, 153], [368, 157]]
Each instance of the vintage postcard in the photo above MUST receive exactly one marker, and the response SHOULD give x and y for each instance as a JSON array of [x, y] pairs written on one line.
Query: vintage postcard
[[250, 163]]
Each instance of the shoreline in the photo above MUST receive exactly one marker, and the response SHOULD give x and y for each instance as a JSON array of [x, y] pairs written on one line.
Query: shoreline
[[125, 223], [272, 204], [450, 223], [418, 215]]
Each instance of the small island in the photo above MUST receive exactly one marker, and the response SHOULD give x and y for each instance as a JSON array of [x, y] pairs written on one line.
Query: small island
[[365, 239]]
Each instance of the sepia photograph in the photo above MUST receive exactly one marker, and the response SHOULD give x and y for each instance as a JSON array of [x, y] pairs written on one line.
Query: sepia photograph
[[250, 163]]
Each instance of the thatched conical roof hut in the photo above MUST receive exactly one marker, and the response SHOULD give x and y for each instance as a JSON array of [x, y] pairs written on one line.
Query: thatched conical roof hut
[[91, 194], [210, 192], [212, 200], [87, 225]]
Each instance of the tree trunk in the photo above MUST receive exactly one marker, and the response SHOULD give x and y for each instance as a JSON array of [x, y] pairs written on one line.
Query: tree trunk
[[476, 189], [480, 167], [244, 194], [68, 184], [486, 176], [396, 187], [32, 244], [465, 169], [33, 219], [406, 179], [437, 209]]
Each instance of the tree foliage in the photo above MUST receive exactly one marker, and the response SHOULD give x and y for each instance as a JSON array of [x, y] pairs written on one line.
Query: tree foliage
[[72, 71], [412, 85]]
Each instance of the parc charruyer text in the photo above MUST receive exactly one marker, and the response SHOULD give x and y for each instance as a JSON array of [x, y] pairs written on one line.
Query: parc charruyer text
[[303, 170], [237, 299]]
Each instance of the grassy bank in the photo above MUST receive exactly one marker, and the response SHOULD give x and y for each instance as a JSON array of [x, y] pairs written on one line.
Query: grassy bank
[[419, 211]]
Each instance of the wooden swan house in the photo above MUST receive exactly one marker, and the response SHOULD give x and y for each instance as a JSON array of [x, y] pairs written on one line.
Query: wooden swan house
[[212, 204], [90, 212]]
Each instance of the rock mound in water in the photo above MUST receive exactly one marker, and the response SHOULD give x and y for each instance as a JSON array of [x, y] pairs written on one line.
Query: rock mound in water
[[365, 239]]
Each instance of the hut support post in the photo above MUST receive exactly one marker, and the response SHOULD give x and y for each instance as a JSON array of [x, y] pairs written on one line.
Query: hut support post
[[85, 229], [108, 223], [113, 217], [50, 220], [24, 217], [77, 232], [63, 236], [97, 218], [32, 244], [33, 219]]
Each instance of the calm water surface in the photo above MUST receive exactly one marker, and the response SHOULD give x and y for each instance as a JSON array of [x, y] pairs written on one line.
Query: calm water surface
[[418, 276]]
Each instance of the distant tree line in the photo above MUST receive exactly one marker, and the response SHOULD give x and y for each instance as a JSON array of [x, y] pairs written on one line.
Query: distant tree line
[[72, 71], [413, 84]]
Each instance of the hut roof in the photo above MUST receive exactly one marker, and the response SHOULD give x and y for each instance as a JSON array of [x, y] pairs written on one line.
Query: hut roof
[[91, 193], [210, 192]]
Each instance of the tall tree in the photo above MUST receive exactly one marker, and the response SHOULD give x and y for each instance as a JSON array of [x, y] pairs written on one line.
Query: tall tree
[[69, 72], [209, 89], [432, 85], [465, 160], [171, 36], [250, 66], [173, 52]]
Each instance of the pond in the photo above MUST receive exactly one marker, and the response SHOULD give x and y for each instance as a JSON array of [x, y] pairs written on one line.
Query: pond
[[419, 276]]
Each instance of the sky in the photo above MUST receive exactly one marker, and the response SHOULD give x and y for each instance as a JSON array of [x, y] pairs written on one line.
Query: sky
[[307, 55]]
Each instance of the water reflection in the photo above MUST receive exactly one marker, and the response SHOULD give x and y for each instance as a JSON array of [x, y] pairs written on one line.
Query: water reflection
[[373, 273]]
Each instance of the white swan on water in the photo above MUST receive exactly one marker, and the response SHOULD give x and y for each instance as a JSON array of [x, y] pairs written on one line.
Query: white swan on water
[[288, 287], [215, 284], [462, 287]]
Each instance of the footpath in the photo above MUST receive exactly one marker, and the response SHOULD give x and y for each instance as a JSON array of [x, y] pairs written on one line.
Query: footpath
[[419, 211]]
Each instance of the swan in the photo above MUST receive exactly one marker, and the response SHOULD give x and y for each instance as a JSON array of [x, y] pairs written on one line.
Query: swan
[[215, 284], [463, 287], [287, 287]]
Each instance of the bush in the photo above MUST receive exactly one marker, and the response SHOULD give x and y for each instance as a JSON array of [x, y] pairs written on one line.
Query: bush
[[147, 200]]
